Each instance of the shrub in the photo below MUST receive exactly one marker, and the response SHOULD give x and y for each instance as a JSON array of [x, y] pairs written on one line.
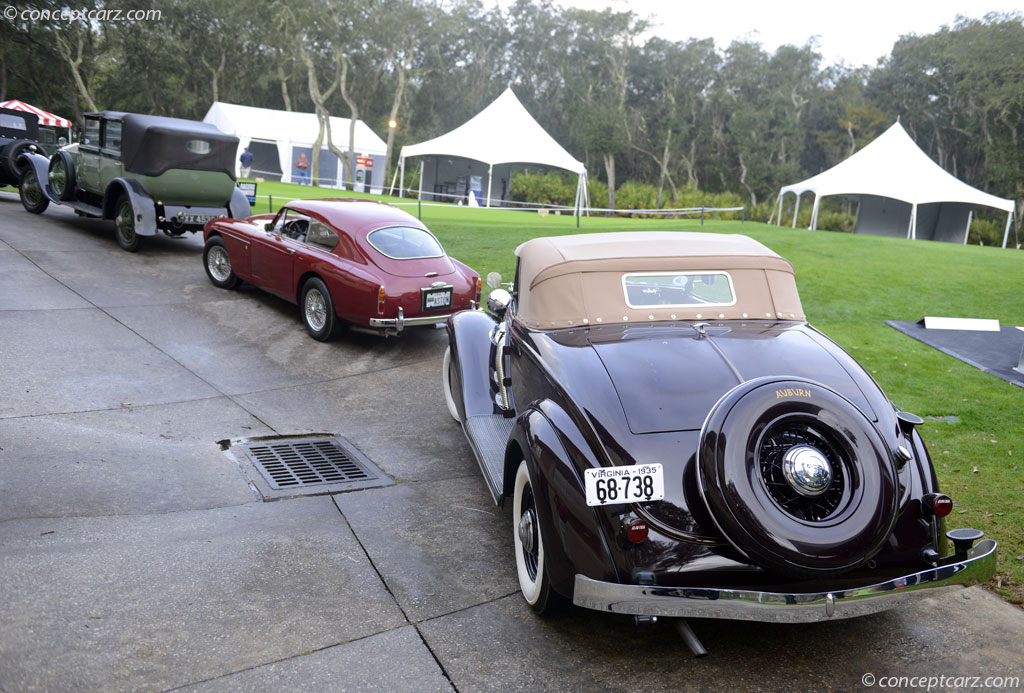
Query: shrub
[[598, 192], [985, 231], [633, 195], [551, 188]]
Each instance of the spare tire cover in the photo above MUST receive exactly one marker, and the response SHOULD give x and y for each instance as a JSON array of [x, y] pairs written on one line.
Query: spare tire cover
[[831, 523]]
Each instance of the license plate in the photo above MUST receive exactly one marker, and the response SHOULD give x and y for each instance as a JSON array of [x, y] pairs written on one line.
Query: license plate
[[435, 299], [195, 218], [636, 484]]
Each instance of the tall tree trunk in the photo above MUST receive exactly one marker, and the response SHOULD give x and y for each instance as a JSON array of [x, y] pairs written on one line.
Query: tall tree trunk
[[3, 79], [215, 73], [743, 182], [353, 118], [284, 88], [395, 103], [322, 114], [323, 121], [75, 63], [609, 168]]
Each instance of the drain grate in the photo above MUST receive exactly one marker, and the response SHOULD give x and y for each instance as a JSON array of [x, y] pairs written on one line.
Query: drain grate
[[291, 464]]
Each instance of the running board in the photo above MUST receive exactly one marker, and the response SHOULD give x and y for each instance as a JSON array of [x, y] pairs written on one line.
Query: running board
[[488, 436], [84, 208]]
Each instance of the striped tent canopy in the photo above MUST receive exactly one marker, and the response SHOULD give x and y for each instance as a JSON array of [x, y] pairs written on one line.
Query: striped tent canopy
[[44, 117]]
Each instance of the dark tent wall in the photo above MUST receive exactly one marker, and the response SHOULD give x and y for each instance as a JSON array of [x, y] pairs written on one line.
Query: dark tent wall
[[265, 161], [938, 221], [450, 178]]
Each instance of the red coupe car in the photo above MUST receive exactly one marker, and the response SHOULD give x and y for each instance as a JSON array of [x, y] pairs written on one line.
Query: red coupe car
[[361, 262]]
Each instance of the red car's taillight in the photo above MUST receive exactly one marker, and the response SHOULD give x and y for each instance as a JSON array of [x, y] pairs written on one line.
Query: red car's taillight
[[381, 295], [479, 291]]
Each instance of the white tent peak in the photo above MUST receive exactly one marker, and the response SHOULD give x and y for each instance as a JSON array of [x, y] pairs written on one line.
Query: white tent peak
[[894, 167], [504, 132]]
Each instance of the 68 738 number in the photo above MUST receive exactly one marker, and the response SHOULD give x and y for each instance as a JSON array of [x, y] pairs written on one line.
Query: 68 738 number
[[635, 488], [633, 484]]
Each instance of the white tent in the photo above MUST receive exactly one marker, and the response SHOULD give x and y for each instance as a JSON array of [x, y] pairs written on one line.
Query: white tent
[[502, 135], [901, 192], [277, 137]]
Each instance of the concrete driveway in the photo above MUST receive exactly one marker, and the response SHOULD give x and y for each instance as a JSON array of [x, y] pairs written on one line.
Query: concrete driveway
[[135, 554]]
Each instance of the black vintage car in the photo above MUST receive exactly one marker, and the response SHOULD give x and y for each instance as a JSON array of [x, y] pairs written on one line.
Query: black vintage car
[[146, 173], [19, 134], [677, 441]]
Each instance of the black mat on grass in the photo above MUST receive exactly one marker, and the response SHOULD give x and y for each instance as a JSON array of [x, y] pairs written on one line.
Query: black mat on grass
[[997, 353]]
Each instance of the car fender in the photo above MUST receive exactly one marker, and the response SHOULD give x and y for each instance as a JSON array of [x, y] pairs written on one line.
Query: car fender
[[238, 206], [143, 205], [469, 337], [352, 288], [41, 167], [575, 540]]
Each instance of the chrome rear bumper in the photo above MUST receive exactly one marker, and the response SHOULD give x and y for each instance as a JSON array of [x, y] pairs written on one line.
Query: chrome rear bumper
[[396, 325], [750, 605]]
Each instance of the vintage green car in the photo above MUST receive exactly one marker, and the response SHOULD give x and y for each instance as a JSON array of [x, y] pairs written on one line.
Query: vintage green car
[[147, 173]]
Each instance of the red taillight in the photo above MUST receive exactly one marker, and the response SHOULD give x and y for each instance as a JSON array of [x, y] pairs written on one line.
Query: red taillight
[[381, 295], [938, 504], [479, 290], [636, 531]]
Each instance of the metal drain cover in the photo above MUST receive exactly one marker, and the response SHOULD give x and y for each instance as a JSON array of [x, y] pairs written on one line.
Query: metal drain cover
[[305, 465]]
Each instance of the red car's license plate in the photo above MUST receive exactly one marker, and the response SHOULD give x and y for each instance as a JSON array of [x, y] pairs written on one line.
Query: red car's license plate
[[437, 299]]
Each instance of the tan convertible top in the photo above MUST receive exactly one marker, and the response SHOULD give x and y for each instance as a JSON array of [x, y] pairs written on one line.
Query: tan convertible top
[[568, 281]]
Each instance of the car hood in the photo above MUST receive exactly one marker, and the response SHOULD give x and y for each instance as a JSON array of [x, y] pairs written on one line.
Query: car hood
[[669, 378]]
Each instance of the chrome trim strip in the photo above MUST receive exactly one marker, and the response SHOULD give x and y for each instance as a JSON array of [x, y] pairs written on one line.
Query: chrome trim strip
[[777, 607]]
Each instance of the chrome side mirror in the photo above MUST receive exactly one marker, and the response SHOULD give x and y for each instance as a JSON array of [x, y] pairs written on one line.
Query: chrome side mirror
[[269, 226], [497, 302], [494, 280]]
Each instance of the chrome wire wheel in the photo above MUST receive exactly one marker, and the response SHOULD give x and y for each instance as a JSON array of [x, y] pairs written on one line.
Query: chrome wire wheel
[[788, 437], [219, 263], [316, 309]]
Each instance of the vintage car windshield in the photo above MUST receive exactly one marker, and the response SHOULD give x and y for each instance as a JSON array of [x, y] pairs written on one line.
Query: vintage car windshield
[[405, 243], [678, 289]]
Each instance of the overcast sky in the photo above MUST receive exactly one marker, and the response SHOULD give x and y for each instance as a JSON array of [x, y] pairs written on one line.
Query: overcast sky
[[857, 33]]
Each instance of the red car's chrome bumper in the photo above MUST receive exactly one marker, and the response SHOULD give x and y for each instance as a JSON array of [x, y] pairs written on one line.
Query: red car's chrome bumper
[[750, 605], [396, 325]]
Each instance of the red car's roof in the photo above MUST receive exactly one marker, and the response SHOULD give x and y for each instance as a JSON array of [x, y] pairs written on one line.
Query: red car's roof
[[357, 216]]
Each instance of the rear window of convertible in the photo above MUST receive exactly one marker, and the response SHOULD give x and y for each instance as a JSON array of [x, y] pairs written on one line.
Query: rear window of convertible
[[405, 243], [678, 289]]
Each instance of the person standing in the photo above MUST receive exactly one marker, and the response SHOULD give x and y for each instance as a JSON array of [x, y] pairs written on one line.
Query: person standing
[[302, 164], [246, 161]]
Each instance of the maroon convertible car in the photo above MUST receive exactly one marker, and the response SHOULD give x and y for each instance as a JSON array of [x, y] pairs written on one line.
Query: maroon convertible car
[[676, 440], [361, 262]]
